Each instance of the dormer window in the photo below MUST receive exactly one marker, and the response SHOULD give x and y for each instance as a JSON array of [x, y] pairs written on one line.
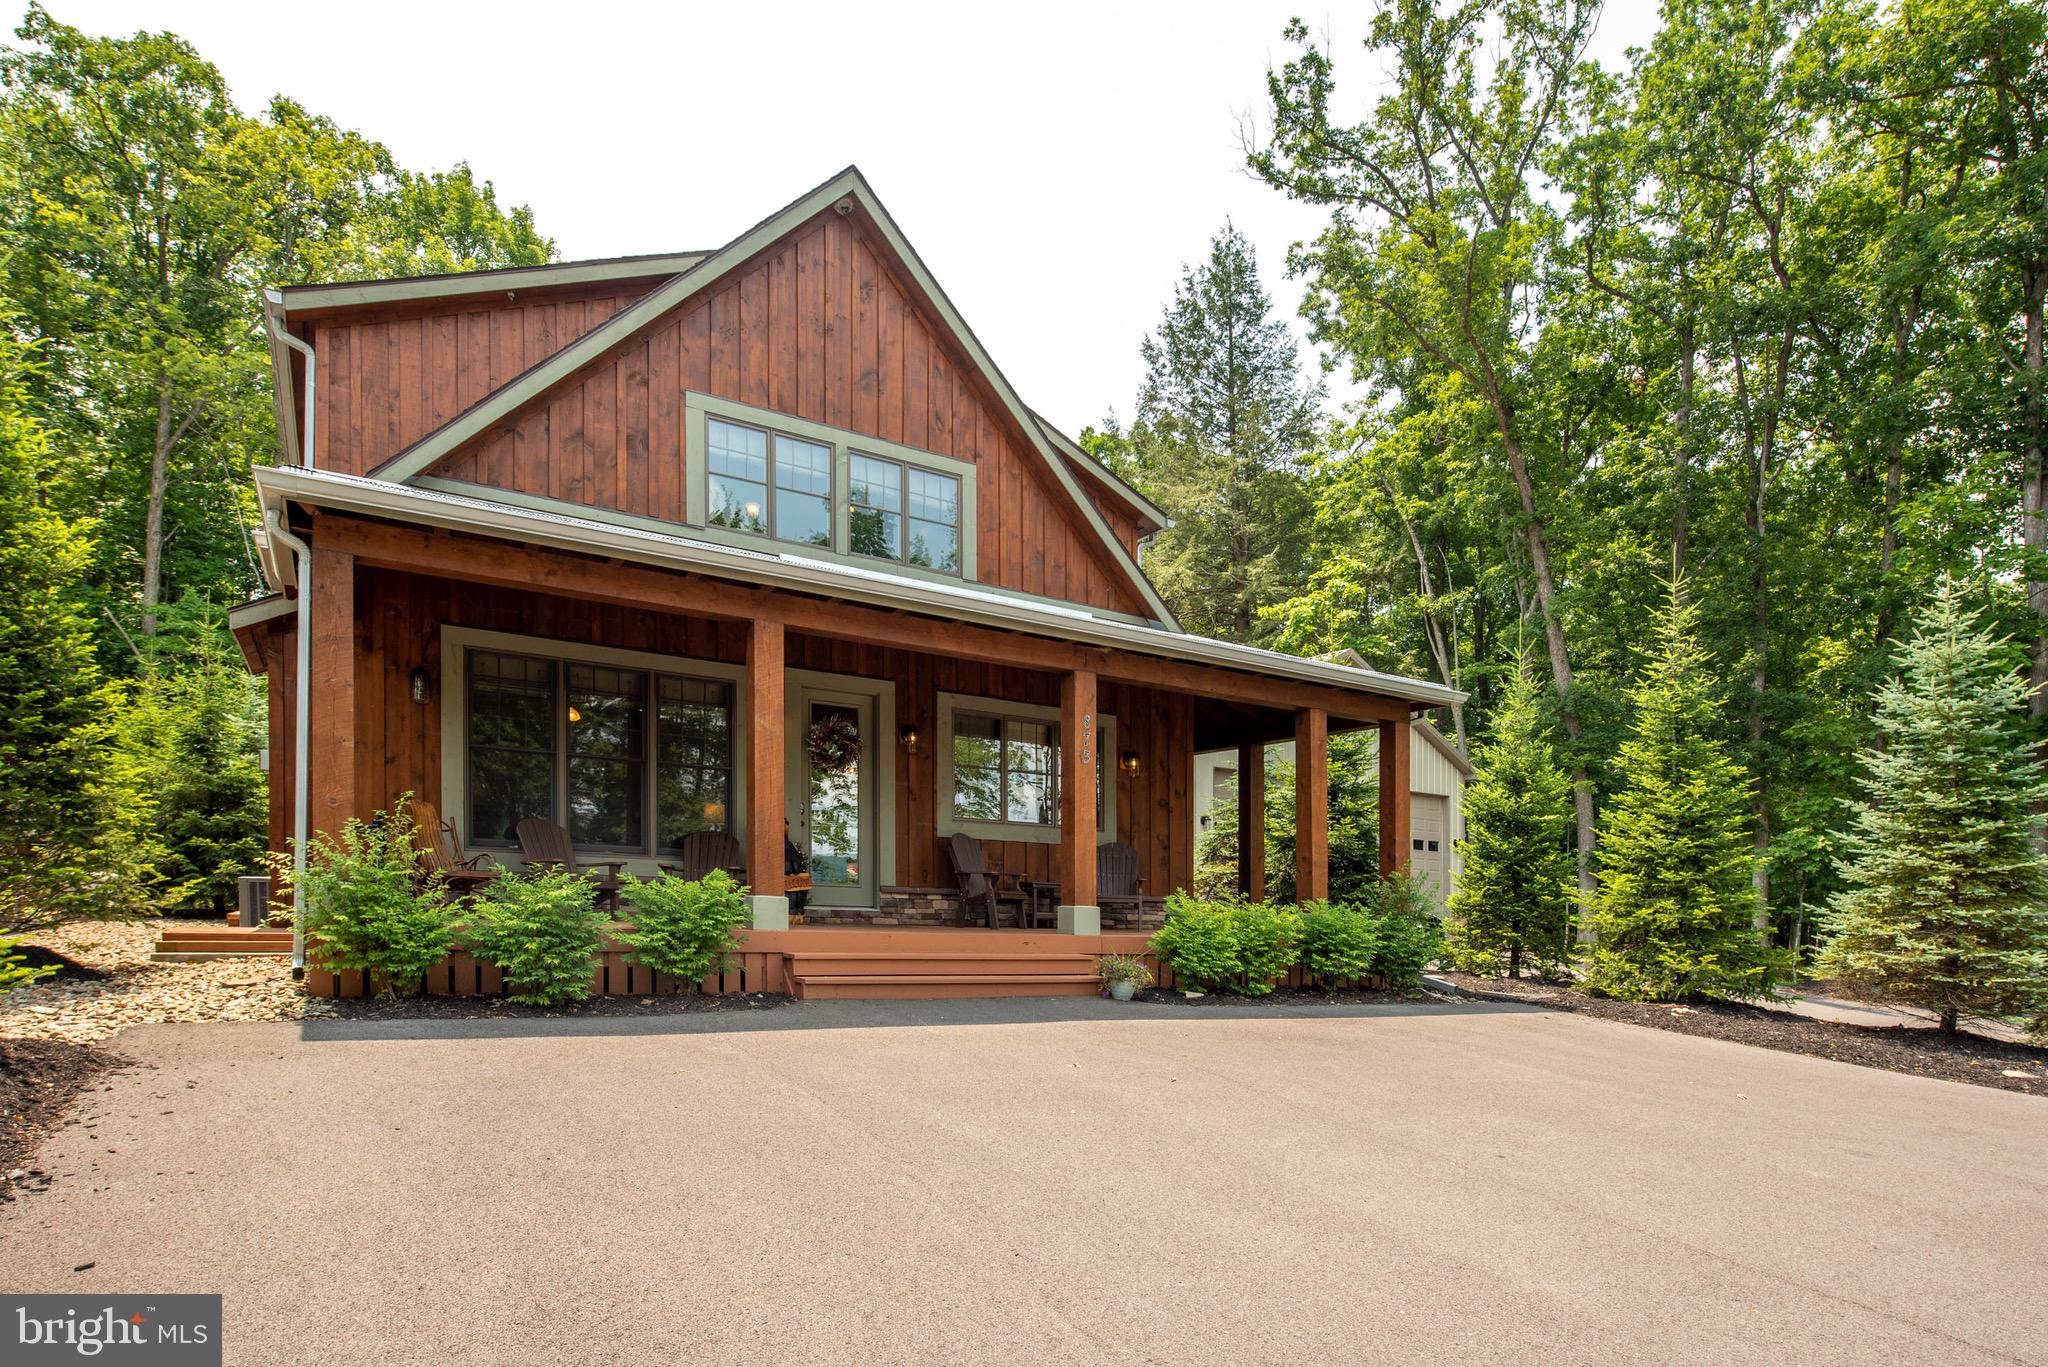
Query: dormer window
[[756, 473]]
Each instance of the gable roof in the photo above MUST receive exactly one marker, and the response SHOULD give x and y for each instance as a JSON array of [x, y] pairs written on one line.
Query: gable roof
[[843, 191], [1148, 512], [300, 299]]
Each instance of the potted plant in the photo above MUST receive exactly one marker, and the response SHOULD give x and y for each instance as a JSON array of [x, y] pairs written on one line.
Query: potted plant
[[1122, 975]]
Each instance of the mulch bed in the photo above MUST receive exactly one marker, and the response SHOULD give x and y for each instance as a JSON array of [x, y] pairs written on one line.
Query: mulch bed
[[1346, 996], [39, 1079], [1921, 1051], [497, 1008]]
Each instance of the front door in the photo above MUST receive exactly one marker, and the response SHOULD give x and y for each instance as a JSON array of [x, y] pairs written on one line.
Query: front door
[[833, 793]]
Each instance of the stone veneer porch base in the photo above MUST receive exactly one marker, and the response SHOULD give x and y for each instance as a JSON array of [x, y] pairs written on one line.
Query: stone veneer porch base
[[941, 907]]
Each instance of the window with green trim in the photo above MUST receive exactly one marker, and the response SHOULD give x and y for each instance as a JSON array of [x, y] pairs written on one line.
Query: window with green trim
[[899, 512]]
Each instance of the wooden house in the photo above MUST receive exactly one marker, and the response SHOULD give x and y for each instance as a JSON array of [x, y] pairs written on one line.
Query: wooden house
[[707, 541]]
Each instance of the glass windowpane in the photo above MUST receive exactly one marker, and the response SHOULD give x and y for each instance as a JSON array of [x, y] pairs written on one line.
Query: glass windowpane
[[511, 744], [693, 763], [607, 719]]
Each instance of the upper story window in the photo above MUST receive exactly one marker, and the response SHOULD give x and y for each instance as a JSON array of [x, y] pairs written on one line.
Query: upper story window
[[759, 473], [768, 483], [899, 512]]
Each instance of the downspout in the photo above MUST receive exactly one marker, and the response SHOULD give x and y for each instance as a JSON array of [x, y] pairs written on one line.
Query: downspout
[[302, 707]]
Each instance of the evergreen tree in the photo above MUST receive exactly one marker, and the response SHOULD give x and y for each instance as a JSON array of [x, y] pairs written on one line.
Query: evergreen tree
[[1513, 902], [1224, 416], [1672, 916], [53, 742], [191, 733], [1947, 903]]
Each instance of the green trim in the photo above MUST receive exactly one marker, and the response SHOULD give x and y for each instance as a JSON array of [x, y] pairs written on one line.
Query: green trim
[[758, 545], [299, 299], [945, 823], [878, 696], [507, 399], [848, 184], [843, 442], [1098, 470]]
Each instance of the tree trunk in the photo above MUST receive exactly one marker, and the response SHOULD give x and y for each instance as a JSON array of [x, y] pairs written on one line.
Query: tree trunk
[[1950, 1020], [159, 486], [1554, 642]]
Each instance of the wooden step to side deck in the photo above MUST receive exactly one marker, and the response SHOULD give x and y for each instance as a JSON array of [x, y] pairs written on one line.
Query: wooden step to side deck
[[199, 945], [909, 975]]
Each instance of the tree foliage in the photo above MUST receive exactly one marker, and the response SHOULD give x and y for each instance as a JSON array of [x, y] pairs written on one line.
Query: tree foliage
[[1674, 914], [1946, 906]]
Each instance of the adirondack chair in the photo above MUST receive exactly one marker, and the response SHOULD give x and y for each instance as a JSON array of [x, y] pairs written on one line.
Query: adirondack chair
[[979, 885], [440, 852], [543, 842], [1119, 885], [703, 851]]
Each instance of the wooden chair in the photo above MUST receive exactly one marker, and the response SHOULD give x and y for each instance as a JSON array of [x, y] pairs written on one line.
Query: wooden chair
[[978, 884], [703, 851], [1119, 885], [441, 852], [544, 843]]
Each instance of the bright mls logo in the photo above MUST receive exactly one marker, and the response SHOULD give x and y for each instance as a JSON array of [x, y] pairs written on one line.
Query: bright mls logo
[[169, 1331]]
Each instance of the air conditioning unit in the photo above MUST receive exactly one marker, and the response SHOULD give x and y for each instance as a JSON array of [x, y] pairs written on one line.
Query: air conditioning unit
[[252, 899]]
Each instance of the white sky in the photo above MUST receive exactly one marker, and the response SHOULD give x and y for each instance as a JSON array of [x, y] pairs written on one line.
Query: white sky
[[1055, 166]]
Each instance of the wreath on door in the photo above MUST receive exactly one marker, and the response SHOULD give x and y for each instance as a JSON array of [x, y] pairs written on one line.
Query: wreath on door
[[833, 742]]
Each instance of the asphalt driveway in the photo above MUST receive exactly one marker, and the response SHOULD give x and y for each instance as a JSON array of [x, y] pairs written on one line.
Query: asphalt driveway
[[1062, 1181]]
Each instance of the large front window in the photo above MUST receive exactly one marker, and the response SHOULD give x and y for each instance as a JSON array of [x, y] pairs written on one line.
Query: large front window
[[636, 758], [1007, 769]]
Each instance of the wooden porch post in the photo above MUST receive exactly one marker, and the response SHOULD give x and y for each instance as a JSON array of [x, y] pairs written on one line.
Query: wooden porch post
[[765, 786], [331, 719], [1395, 796], [1311, 804], [1251, 822], [1078, 914]]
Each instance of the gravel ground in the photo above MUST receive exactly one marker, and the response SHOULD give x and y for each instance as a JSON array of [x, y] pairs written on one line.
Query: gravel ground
[[138, 992]]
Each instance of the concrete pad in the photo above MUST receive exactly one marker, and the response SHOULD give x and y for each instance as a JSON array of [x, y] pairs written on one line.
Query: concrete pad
[[1057, 1181]]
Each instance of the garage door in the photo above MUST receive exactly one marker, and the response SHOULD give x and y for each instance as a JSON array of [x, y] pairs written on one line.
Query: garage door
[[1431, 856]]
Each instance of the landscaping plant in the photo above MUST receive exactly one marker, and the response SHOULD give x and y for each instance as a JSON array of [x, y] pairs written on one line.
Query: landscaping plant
[[14, 970], [682, 927], [369, 905], [1123, 968], [1513, 903], [1947, 904], [1199, 943], [1268, 944], [544, 930], [1407, 936], [1675, 912], [1338, 942]]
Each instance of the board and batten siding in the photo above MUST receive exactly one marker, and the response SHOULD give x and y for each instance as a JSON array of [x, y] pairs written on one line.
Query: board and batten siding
[[390, 376], [399, 617], [818, 327]]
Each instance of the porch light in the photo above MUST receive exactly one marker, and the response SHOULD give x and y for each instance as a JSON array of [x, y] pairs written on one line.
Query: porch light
[[420, 681], [910, 739], [1128, 761], [574, 715]]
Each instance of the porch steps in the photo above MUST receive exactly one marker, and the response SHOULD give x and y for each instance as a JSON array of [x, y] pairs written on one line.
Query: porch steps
[[817, 975], [197, 945]]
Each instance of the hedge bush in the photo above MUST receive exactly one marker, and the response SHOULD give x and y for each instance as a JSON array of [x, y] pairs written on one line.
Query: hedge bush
[[1339, 942], [1198, 942], [369, 905], [683, 927], [544, 930], [1268, 944], [1410, 937]]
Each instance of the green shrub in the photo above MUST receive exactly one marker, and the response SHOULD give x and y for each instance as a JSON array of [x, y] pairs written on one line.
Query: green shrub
[[1199, 943], [544, 930], [368, 904], [1409, 935], [14, 970], [1268, 944], [1338, 942], [682, 927]]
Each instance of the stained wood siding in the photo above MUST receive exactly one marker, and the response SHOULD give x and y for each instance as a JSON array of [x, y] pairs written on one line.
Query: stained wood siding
[[399, 618], [818, 327], [389, 377]]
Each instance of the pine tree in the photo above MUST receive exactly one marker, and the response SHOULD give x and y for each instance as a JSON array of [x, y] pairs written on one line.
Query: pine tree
[[1673, 914], [53, 702], [1224, 416], [1513, 903], [1947, 903]]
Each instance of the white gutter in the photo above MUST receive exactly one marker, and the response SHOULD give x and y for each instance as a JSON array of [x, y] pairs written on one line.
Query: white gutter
[[301, 732], [802, 574]]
